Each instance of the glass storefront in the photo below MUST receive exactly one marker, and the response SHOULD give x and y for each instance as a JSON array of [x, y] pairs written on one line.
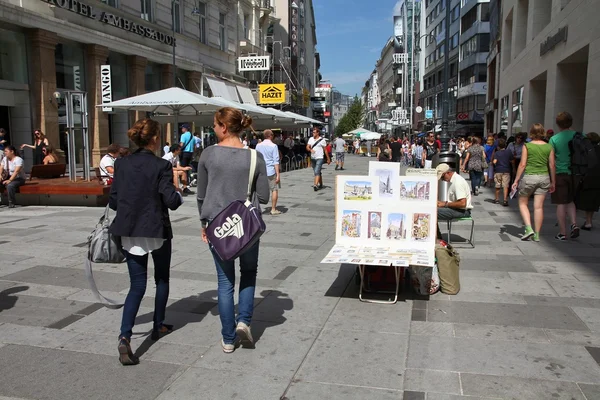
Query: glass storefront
[[118, 120], [153, 81], [70, 75], [13, 58]]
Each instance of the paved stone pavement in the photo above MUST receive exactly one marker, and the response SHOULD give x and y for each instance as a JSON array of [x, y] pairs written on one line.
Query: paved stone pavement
[[526, 324]]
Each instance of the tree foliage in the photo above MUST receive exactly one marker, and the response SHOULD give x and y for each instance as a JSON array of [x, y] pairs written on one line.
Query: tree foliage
[[352, 119]]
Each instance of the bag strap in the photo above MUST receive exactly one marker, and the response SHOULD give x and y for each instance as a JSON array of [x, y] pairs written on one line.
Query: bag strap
[[188, 142], [316, 143], [251, 173], [105, 301]]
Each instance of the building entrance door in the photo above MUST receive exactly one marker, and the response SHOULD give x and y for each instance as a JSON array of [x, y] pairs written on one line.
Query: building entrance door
[[5, 122]]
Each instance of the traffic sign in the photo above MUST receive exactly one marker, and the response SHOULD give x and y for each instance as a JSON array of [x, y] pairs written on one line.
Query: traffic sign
[[419, 109], [429, 114]]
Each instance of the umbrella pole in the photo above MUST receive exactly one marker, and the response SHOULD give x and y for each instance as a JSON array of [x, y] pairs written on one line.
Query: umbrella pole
[[176, 131]]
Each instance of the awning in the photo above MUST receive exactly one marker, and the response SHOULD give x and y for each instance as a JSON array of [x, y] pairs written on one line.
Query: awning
[[246, 95], [219, 89], [233, 93]]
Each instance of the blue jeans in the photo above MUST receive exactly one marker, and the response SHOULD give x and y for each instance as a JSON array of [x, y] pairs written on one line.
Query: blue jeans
[[226, 279], [138, 275], [476, 177], [317, 164]]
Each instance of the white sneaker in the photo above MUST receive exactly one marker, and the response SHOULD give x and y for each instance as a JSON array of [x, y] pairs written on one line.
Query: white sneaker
[[243, 332], [228, 348]]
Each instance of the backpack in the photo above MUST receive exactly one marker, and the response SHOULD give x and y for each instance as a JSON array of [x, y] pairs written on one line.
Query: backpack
[[583, 154]]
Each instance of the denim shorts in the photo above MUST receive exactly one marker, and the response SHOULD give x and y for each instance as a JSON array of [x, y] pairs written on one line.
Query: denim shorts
[[317, 164]]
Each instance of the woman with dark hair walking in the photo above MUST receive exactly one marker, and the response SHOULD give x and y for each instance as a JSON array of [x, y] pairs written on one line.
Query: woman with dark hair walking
[[142, 193], [223, 178]]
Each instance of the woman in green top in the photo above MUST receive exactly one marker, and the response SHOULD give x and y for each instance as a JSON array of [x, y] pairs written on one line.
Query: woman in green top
[[537, 175]]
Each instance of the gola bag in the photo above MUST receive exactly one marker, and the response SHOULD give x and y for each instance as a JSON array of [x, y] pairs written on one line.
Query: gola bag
[[239, 226]]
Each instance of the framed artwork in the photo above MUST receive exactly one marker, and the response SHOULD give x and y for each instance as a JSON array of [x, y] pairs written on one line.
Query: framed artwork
[[356, 189], [388, 174], [374, 229]]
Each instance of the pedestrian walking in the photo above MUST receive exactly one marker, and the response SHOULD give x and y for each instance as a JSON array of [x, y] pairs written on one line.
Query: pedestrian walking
[[488, 173], [474, 161], [564, 195], [12, 173], [187, 144], [501, 161], [223, 178], [516, 148], [396, 148], [270, 152], [431, 149], [419, 154], [142, 202], [316, 147], [339, 152], [535, 177], [588, 196]]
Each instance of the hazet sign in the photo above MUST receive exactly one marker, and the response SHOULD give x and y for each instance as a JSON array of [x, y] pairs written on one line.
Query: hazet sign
[[273, 93]]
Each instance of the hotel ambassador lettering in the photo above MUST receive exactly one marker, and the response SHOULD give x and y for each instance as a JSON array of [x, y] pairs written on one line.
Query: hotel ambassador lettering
[[86, 10]]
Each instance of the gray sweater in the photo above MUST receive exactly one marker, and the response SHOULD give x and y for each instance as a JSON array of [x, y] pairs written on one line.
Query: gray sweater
[[223, 177]]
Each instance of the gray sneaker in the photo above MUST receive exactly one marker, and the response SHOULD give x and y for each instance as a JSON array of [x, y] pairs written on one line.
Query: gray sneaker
[[229, 347], [243, 332]]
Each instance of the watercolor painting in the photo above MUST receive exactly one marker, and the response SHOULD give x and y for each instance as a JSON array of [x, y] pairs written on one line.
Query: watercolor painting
[[421, 231], [351, 223], [415, 190], [374, 225], [396, 226], [358, 190]]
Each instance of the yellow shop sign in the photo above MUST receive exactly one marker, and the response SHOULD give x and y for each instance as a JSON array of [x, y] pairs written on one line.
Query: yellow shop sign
[[271, 93]]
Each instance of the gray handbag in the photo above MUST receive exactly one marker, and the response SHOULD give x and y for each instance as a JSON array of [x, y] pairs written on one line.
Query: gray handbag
[[103, 248]]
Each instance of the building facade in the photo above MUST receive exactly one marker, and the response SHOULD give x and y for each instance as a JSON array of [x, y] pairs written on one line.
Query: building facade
[[474, 42], [550, 58], [433, 44], [493, 61], [54, 46]]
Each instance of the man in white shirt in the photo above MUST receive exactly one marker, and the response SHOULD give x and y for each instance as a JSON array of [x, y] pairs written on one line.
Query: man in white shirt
[[12, 173], [107, 163], [179, 172], [270, 152], [316, 146], [459, 196], [339, 145], [167, 148]]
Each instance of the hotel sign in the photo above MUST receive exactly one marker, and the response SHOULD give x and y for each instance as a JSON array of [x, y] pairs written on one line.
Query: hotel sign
[[88, 11], [552, 41]]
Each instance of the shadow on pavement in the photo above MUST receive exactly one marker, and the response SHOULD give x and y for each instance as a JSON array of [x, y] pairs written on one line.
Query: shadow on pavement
[[513, 230], [7, 300]]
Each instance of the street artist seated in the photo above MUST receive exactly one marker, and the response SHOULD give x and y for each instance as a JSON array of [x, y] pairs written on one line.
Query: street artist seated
[[459, 196]]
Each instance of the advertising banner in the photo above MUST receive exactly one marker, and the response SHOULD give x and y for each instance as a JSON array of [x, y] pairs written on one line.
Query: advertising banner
[[271, 93], [258, 63]]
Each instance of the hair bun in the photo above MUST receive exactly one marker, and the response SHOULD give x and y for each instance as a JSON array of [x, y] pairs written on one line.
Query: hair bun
[[246, 121]]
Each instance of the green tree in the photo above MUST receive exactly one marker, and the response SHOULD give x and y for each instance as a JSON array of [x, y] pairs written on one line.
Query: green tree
[[352, 119]]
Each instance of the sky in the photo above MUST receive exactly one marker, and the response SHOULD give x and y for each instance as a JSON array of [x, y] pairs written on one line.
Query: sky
[[350, 37]]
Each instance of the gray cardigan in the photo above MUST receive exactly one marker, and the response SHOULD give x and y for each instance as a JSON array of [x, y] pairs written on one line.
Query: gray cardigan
[[223, 178]]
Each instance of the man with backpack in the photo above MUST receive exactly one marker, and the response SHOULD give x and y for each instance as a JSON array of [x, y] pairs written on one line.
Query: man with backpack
[[569, 149]]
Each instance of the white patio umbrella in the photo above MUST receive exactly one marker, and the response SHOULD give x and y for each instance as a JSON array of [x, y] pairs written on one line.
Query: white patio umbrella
[[370, 136], [167, 101]]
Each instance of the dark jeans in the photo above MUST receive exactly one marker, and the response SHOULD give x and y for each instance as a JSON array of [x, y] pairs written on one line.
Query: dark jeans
[[226, 279], [476, 177], [186, 159], [446, 214], [12, 189], [138, 275]]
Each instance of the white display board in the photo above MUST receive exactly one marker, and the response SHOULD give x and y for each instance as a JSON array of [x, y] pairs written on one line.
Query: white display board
[[385, 218]]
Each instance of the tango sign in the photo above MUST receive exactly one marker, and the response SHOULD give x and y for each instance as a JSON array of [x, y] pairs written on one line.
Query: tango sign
[[273, 93], [106, 84], [552, 41]]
